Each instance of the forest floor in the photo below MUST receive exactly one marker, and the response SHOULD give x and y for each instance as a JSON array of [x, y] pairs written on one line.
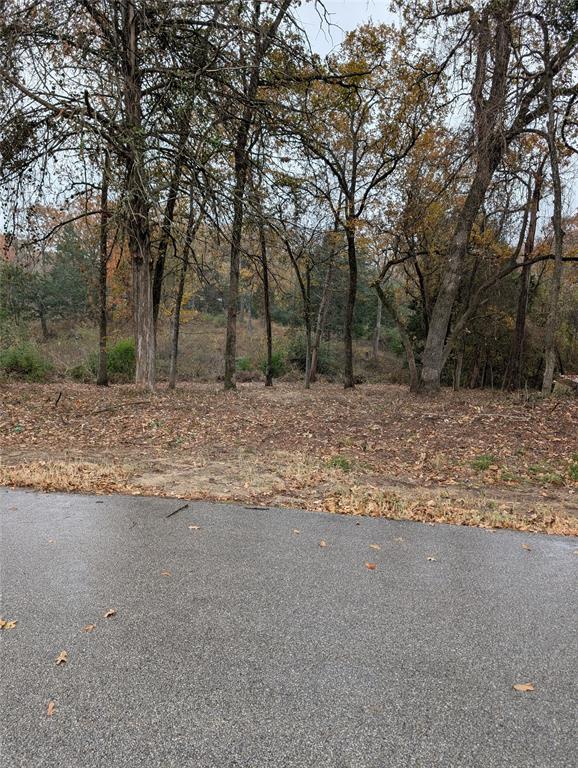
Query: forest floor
[[471, 457]]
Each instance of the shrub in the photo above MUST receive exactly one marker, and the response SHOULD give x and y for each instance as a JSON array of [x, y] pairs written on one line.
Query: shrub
[[296, 355], [121, 359], [24, 360], [244, 364], [278, 365], [80, 372], [339, 462]]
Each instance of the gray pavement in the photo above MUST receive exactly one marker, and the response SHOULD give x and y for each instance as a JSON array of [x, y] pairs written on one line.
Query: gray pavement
[[264, 649]]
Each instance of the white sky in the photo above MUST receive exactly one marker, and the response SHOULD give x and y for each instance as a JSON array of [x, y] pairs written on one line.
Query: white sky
[[344, 16]]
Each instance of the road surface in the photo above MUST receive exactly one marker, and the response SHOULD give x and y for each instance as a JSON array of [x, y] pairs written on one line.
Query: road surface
[[240, 642]]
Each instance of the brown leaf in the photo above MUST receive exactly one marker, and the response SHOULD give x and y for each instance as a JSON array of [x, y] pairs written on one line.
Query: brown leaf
[[51, 708], [370, 566], [374, 546], [296, 530], [524, 687], [62, 658], [110, 613], [5, 624], [431, 558], [194, 527], [166, 573], [89, 628], [527, 547], [322, 543]]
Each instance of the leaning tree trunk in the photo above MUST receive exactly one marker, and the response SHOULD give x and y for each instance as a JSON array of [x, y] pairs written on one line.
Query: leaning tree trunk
[[102, 373], [348, 378], [490, 147]]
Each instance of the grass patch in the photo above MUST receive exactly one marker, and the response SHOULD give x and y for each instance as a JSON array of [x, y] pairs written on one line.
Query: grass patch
[[484, 462], [545, 474], [339, 462]]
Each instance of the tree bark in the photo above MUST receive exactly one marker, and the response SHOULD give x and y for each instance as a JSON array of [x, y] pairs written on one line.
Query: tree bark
[[321, 317], [266, 304], [377, 331], [553, 321], [348, 378], [489, 150], [138, 206], [102, 373], [192, 226], [514, 373]]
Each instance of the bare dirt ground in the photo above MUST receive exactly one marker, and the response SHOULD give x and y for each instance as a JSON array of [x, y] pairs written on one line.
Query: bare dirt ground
[[474, 458]]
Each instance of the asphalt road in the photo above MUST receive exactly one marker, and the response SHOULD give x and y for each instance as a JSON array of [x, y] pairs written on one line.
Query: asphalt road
[[262, 648]]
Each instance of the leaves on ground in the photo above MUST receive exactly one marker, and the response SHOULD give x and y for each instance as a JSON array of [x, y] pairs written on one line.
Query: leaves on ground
[[296, 531], [322, 543], [62, 658], [194, 527], [371, 566], [110, 613], [374, 546], [89, 628], [527, 547], [523, 687], [431, 558], [166, 573], [51, 708]]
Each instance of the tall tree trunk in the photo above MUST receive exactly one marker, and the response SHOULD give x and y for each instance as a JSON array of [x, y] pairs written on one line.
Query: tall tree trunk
[[192, 226], [241, 168], [166, 227], [553, 321], [102, 373], [514, 373], [489, 150], [458, 368], [321, 317], [137, 205], [377, 330], [348, 378], [266, 304]]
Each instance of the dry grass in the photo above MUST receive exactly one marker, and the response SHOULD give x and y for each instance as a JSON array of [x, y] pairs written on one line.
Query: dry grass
[[73, 477]]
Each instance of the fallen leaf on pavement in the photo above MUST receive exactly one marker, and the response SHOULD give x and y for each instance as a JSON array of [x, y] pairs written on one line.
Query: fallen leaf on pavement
[[527, 547], [51, 708], [5, 624], [398, 538], [524, 687], [166, 573], [370, 566], [296, 530], [110, 613], [194, 527], [62, 658], [431, 558], [374, 546], [322, 543], [89, 628]]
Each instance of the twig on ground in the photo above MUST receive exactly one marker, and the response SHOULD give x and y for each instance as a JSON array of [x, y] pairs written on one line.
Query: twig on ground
[[180, 509]]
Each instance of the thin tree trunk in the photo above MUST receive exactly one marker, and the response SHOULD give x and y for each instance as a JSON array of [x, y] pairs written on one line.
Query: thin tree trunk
[[241, 167], [458, 368], [514, 373], [266, 304], [377, 331], [348, 378], [192, 226], [553, 321], [405, 339], [321, 317], [102, 374]]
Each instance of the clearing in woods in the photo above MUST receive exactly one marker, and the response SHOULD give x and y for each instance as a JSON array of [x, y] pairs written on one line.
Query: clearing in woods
[[472, 457]]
